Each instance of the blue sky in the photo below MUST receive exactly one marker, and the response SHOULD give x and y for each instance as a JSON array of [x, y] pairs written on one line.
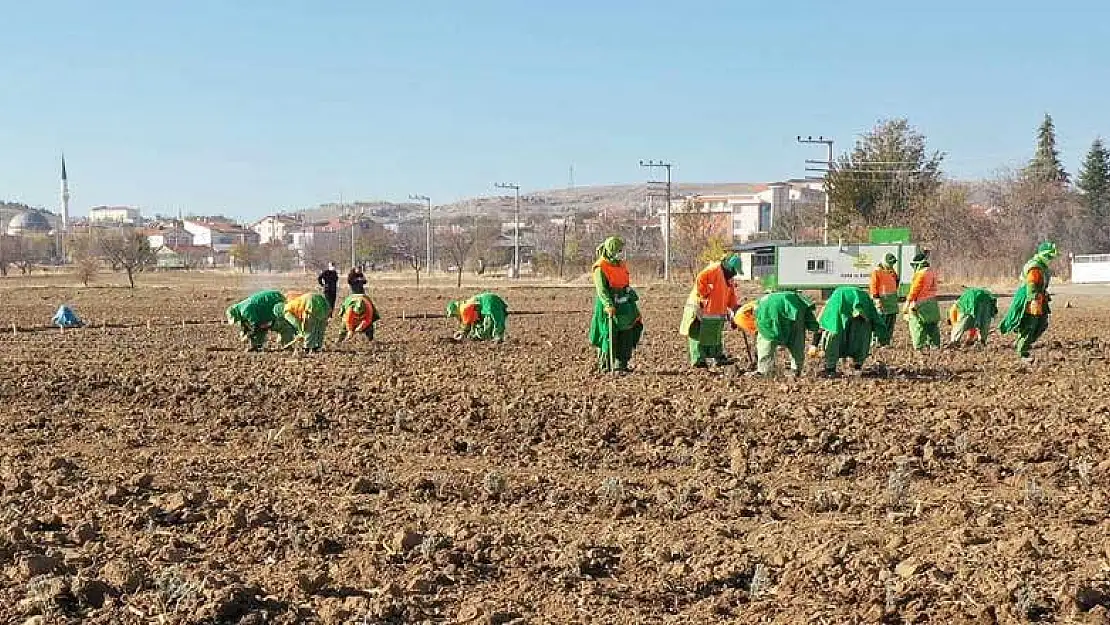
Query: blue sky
[[250, 106]]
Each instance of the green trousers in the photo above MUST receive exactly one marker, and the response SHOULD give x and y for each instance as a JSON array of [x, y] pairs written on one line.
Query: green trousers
[[766, 348], [964, 324], [1029, 330], [257, 339], [705, 340], [924, 334], [314, 329], [624, 343], [854, 343]]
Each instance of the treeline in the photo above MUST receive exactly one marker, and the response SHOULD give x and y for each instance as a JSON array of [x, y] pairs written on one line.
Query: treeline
[[890, 178]]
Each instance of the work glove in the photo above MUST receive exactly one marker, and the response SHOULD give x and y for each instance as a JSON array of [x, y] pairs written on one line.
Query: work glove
[[610, 311], [459, 336]]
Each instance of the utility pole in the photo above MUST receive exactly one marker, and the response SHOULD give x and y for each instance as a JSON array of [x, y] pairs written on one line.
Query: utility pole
[[651, 165], [828, 163], [428, 228], [516, 225]]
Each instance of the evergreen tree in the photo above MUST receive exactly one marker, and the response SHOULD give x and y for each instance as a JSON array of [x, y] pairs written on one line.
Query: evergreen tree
[[1094, 180], [1046, 166]]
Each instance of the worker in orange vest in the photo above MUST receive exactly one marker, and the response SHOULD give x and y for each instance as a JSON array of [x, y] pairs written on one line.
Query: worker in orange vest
[[922, 310], [710, 305], [615, 309], [884, 289]]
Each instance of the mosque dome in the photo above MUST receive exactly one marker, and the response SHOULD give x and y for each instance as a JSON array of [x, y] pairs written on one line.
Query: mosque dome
[[28, 222]]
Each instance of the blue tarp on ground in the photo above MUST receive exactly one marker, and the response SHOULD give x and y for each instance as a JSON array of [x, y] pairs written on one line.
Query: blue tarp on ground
[[66, 318]]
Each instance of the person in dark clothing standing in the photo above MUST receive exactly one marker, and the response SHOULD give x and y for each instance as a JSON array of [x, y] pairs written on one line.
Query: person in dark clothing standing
[[329, 280], [357, 281]]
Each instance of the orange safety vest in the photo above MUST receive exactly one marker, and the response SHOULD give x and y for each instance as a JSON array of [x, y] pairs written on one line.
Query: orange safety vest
[[1035, 278], [357, 322], [712, 288], [469, 314], [923, 287], [883, 282], [616, 274], [297, 306]]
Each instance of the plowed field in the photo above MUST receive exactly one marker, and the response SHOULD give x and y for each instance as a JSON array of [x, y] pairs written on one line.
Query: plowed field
[[160, 475]]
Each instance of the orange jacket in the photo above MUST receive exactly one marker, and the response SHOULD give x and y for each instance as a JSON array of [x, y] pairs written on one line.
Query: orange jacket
[[469, 314], [883, 282], [616, 275], [923, 287], [1034, 278], [717, 295], [359, 322]]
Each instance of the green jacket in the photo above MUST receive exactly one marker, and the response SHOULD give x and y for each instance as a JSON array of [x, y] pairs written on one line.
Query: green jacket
[[777, 315], [848, 302], [980, 304], [1022, 296], [255, 311]]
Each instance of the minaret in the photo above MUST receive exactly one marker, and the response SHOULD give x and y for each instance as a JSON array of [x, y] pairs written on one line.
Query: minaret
[[65, 196]]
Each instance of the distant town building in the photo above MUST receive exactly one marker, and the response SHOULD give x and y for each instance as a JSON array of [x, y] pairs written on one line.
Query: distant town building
[[276, 229], [117, 215], [750, 214], [218, 233], [170, 236]]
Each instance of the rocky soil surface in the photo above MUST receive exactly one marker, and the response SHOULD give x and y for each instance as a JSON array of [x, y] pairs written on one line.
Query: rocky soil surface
[[161, 475]]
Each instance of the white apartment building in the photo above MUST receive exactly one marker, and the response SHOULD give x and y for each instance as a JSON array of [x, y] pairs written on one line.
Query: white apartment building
[[753, 213], [120, 215]]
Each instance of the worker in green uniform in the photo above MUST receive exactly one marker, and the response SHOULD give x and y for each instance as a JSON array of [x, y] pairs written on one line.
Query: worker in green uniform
[[884, 289], [308, 316], [255, 316], [481, 318], [971, 317], [848, 322], [615, 309], [1029, 310], [778, 320]]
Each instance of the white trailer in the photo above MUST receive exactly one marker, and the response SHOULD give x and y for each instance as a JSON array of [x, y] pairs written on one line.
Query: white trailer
[[825, 267], [1090, 268]]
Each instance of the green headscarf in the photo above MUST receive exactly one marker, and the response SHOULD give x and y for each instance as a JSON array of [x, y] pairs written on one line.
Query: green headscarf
[[920, 260], [453, 308], [1046, 252], [732, 264], [234, 315], [610, 248], [889, 261]]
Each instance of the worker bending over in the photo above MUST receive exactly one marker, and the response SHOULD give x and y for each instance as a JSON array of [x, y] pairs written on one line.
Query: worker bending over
[[709, 307], [778, 320], [1029, 310], [481, 318], [971, 317], [359, 316], [849, 322], [308, 316], [255, 315]]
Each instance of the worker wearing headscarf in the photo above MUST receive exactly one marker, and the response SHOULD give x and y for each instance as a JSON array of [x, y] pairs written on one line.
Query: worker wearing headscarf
[[778, 320], [1029, 310], [614, 307], [710, 305], [971, 317], [848, 322], [359, 315], [922, 309], [308, 315], [884, 289], [255, 316], [481, 318]]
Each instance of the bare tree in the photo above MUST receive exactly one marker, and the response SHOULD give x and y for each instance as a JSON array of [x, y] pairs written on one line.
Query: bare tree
[[31, 249], [697, 234], [464, 240], [127, 249], [246, 255]]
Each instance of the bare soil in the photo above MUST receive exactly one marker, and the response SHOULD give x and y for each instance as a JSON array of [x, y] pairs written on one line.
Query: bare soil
[[160, 475]]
